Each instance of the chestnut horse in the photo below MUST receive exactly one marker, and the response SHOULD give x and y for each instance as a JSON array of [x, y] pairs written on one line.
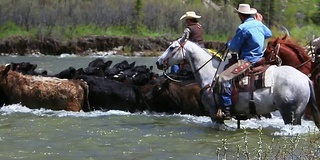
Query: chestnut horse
[[285, 51]]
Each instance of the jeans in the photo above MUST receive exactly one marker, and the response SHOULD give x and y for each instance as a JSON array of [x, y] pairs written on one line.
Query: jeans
[[226, 95], [175, 68]]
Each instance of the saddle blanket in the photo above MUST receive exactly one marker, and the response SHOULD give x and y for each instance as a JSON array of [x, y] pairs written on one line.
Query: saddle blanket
[[268, 76], [262, 80]]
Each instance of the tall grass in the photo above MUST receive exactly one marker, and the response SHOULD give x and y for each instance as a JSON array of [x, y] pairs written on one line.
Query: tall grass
[[302, 147]]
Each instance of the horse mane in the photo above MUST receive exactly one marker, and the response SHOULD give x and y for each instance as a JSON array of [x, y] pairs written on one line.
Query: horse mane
[[288, 42]]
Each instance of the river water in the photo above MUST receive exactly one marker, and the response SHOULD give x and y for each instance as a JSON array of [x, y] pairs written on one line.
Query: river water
[[46, 134]]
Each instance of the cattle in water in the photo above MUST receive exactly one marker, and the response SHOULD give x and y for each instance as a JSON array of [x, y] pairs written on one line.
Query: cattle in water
[[43, 92], [26, 68], [97, 67], [107, 94]]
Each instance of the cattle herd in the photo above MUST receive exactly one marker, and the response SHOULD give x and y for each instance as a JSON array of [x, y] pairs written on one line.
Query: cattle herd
[[100, 86]]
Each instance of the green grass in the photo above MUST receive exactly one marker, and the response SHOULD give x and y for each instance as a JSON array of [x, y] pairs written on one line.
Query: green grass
[[302, 34]]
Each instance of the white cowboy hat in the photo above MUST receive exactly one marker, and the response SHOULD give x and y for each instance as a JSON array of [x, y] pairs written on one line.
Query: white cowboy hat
[[245, 9], [190, 14]]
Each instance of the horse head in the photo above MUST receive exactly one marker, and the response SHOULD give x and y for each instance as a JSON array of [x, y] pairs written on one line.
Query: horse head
[[174, 54], [285, 51]]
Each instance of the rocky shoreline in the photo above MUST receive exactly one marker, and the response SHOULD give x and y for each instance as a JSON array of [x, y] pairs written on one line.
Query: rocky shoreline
[[119, 45]]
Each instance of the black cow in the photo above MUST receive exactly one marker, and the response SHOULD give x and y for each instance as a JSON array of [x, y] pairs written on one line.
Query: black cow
[[26, 68], [107, 94], [137, 75], [117, 68], [68, 73], [97, 67]]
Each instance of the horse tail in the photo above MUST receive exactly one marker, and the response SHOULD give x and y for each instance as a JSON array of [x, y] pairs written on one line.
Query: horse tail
[[313, 104]]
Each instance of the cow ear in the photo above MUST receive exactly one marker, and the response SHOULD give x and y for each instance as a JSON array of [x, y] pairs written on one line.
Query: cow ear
[[132, 64], [151, 67], [108, 64]]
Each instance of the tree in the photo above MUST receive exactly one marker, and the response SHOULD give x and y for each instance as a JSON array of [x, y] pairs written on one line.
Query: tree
[[137, 17], [316, 16]]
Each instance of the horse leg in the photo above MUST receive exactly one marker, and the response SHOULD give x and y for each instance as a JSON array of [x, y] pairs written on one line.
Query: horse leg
[[286, 114], [297, 118]]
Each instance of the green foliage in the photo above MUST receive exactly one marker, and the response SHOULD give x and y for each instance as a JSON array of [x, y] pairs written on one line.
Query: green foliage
[[315, 17], [72, 19], [12, 29], [305, 34], [137, 17]]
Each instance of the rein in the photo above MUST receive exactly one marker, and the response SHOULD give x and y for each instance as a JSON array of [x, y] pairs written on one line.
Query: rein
[[223, 47], [173, 53], [166, 62], [172, 79]]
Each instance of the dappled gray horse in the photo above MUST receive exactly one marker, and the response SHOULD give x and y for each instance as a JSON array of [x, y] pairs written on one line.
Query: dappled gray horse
[[290, 92]]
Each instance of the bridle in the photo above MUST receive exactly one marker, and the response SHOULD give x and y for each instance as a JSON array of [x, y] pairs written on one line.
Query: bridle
[[181, 47], [278, 59], [274, 55]]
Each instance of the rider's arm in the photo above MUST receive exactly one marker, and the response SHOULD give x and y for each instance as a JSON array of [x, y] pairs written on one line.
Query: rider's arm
[[267, 32], [236, 42], [186, 34]]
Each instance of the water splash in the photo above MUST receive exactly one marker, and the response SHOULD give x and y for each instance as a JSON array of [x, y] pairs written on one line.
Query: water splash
[[275, 123]]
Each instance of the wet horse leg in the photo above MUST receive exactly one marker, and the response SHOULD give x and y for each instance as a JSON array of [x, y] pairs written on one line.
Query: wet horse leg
[[286, 114], [297, 118]]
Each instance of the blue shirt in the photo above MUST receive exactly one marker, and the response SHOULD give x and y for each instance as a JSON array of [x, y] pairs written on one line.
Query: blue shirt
[[249, 40]]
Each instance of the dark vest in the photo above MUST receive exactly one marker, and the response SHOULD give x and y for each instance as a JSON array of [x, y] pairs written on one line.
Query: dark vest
[[196, 34]]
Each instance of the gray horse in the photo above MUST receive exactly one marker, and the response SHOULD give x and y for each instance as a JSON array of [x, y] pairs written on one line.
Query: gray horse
[[289, 93]]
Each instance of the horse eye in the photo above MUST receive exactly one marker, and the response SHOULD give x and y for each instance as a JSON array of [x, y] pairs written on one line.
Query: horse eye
[[172, 48]]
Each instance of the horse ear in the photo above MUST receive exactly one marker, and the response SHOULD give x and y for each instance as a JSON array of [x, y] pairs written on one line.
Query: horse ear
[[284, 37]]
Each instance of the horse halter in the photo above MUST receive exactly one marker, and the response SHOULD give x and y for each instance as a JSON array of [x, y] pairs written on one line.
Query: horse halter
[[274, 56], [165, 62], [278, 59]]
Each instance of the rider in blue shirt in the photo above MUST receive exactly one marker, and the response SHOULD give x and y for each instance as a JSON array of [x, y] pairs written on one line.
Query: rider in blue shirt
[[248, 41]]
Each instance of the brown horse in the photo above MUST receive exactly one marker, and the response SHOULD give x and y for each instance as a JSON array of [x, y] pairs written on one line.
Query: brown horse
[[285, 51]]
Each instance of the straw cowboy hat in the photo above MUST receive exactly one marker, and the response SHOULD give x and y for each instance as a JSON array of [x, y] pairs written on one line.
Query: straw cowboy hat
[[190, 15], [245, 9]]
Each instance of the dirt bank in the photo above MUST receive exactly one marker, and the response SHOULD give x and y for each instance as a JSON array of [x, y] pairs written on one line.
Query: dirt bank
[[129, 46]]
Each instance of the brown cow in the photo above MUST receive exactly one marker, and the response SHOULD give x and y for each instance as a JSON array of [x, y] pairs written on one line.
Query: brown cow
[[43, 92]]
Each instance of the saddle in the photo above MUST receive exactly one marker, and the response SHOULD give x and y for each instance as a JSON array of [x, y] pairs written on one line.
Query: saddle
[[243, 78]]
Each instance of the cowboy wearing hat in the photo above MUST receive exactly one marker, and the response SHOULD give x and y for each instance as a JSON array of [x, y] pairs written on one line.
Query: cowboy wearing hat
[[248, 42], [192, 32]]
